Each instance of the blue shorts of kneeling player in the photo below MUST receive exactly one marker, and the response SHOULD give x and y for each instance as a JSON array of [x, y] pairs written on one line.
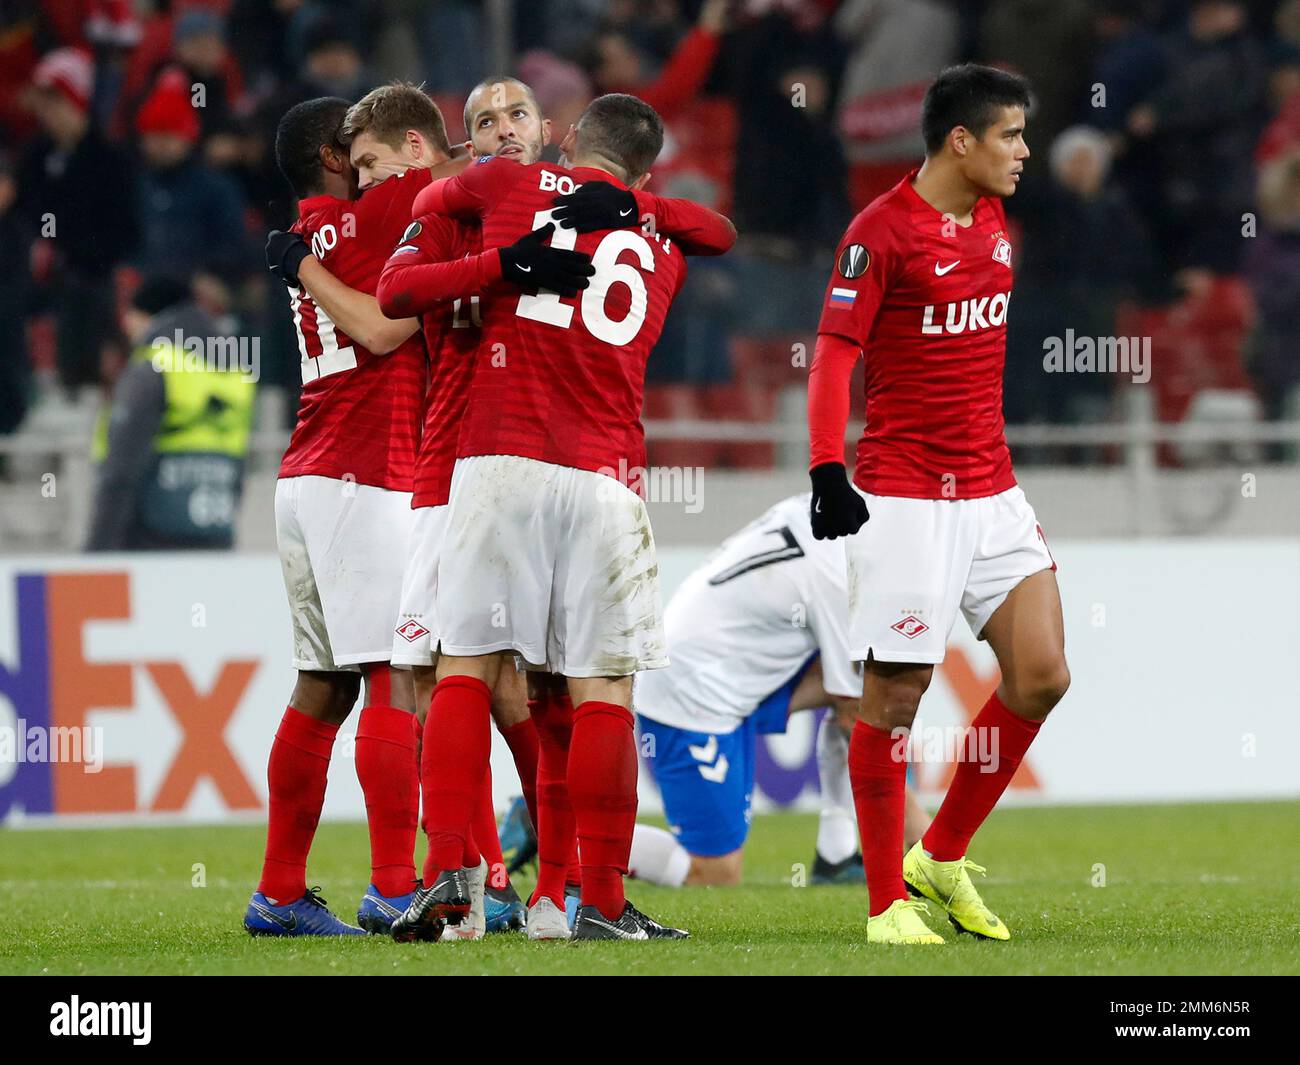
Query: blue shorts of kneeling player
[[707, 780]]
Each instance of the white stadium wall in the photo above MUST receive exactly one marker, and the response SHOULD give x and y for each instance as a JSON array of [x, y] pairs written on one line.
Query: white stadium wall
[[1183, 653]]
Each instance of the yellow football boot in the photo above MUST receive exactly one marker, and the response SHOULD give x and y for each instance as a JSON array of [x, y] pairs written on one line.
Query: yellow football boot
[[949, 884], [901, 923]]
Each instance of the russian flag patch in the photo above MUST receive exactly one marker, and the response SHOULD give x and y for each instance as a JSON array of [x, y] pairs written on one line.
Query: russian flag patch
[[842, 297]]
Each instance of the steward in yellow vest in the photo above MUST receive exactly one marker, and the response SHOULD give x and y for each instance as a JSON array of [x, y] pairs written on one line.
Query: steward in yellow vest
[[171, 453]]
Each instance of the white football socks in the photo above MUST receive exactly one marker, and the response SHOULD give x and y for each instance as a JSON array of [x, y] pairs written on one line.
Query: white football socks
[[837, 830], [657, 857]]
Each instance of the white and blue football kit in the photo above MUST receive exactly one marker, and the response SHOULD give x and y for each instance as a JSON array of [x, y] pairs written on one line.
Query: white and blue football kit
[[741, 632]]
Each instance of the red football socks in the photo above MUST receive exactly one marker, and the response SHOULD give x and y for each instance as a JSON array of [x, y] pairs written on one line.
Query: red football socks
[[521, 738], [555, 827], [879, 783], [486, 838], [389, 771], [974, 792], [295, 776], [602, 789], [454, 757]]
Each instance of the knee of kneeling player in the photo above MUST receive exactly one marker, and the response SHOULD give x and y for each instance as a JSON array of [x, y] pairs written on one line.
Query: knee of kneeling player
[[715, 872]]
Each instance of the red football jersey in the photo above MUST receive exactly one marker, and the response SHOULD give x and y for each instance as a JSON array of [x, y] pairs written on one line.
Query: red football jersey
[[561, 380], [926, 301], [359, 415], [451, 334]]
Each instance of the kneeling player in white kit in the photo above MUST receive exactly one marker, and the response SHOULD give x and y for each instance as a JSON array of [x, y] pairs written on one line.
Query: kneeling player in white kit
[[758, 632]]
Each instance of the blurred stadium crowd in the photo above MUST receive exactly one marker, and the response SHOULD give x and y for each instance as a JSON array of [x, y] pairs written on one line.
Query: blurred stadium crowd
[[1162, 198]]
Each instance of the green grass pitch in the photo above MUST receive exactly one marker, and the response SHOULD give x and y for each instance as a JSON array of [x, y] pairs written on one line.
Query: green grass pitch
[[1187, 889]]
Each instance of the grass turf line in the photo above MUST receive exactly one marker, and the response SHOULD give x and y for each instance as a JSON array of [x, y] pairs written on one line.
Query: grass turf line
[[1185, 891]]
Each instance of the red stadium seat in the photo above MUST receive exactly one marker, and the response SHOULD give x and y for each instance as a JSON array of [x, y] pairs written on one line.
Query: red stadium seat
[[1196, 345], [743, 403]]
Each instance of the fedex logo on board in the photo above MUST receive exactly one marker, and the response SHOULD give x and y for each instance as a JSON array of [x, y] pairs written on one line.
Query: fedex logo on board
[[49, 690]]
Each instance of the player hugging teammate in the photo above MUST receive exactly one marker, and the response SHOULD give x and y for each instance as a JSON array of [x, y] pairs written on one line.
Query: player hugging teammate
[[578, 307]]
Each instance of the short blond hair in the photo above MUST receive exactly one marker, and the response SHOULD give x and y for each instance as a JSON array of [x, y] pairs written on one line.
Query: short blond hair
[[386, 113]]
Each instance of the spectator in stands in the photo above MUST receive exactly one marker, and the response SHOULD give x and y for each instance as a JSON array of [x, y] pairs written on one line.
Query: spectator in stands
[[563, 92], [331, 66], [1087, 254], [192, 214], [171, 456], [186, 45], [199, 52], [1050, 42], [76, 194], [1273, 269], [1283, 131], [1129, 65], [896, 49], [1204, 121], [790, 184], [616, 64], [15, 293], [1129, 68], [114, 32]]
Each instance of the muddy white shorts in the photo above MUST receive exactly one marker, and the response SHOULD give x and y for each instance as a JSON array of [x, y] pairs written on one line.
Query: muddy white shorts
[[554, 563], [918, 561], [342, 549], [415, 638]]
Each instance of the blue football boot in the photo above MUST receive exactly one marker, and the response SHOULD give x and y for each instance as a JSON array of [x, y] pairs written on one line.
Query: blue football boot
[[504, 910], [309, 916], [572, 903], [518, 839], [377, 912]]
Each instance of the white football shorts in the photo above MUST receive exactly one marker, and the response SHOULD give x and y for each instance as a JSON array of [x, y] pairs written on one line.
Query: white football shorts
[[415, 637], [554, 563], [342, 549], [917, 562]]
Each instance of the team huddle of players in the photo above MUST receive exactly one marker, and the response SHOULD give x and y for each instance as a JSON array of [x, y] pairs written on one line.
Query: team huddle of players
[[474, 326]]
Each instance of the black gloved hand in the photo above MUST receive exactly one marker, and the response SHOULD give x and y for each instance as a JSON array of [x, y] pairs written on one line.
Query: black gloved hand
[[596, 205], [837, 510], [531, 264], [284, 254]]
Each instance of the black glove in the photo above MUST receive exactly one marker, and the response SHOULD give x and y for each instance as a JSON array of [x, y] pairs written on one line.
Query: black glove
[[837, 510], [284, 254], [596, 205], [531, 264]]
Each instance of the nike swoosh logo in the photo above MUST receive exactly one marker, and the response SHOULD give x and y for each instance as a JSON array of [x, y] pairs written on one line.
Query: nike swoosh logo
[[287, 923], [624, 214], [384, 907], [613, 928], [941, 271], [525, 269]]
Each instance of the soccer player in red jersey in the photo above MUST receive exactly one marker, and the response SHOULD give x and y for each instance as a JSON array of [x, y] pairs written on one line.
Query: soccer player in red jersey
[[342, 524], [920, 290], [430, 275], [547, 554], [381, 146]]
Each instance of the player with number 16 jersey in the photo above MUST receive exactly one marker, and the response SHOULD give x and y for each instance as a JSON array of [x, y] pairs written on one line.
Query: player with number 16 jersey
[[548, 551], [561, 380]]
